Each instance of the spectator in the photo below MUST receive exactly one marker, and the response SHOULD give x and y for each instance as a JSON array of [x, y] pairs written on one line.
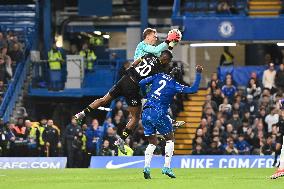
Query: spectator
[[3, 41], [55, 68], [93, 134], [214, 150], [3, 139], [73, 50], [231, 149], [279, 78], [211, 102], [228, 132], [50, 137], [229, 90], [8, 62], [251, 106], [3, 72], [111, 137], [269, 78], [89, 57], [73, 143], [225, 107], [271, 119], [2, 88], [217, 97], [242, 146], [198, 150], [106, 151], [227, 58], [253, 89], [16, 55], [267, 148], [214, 78], [11, 139], [21, 133]]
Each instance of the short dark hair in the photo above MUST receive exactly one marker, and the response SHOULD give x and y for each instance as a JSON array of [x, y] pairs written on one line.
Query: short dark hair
[[148, 31], [168, 53]]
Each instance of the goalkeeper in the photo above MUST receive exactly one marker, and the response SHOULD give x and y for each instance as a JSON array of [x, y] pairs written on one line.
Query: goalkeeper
[[150, 39]]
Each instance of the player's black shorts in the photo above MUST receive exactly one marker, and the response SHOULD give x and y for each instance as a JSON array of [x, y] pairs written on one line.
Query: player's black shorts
[[279, 139], [127, 88]]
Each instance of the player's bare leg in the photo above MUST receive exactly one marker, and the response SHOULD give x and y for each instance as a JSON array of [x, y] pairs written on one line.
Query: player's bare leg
[[135, 113], [280, 171], [94, 105]]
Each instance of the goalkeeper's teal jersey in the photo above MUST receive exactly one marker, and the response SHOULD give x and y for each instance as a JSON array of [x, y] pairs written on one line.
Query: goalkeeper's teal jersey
[[143, 49]]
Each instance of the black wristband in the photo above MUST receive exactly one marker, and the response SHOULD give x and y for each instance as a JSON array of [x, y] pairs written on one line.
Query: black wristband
[[170, 48], [167, 41], [88, 110]]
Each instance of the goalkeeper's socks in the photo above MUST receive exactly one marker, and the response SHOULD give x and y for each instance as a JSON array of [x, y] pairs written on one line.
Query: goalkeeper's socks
[[126, 133], [169, 150], [87, 110], [149, 154]]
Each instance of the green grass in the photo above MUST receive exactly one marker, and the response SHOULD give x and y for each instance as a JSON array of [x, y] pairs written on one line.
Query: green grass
[[133, 178]]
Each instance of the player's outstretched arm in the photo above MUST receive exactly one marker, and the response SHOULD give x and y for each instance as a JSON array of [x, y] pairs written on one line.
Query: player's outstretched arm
[[156, 49], [195, 86]]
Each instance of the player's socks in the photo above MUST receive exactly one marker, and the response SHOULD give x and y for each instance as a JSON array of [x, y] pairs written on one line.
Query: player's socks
[[169, 150], [126, 132], [149, 154], [277, 153]]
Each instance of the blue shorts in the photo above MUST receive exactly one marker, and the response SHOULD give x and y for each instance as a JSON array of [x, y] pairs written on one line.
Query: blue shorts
[[154, 120]]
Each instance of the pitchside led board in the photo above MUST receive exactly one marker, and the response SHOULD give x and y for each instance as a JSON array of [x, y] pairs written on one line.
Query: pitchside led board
[[240, 161]]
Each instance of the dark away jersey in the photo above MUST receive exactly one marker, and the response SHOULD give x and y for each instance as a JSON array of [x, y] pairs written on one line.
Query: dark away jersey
[[150, 65]]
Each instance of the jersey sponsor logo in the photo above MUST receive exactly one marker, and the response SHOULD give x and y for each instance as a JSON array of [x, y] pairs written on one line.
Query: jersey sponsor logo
[[110, 165]]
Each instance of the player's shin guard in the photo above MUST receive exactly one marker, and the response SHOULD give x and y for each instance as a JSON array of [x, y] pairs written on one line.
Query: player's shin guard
[[126, 132], [149, 154], [169, 150]]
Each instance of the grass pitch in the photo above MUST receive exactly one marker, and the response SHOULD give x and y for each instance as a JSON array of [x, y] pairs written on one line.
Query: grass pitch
[[133, 178]]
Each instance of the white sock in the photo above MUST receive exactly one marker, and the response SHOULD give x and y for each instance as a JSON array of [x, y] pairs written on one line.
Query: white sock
[[169, 150], [149, 154], [281, 166]]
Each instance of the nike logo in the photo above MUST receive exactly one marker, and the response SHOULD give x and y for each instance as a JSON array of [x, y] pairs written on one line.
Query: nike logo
[[109, 165]]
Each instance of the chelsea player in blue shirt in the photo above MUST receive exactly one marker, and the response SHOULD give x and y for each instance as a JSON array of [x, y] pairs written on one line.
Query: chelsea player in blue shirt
[[155, 114]]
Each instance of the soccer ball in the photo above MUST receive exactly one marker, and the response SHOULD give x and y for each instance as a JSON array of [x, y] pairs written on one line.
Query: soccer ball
[[177, 32]]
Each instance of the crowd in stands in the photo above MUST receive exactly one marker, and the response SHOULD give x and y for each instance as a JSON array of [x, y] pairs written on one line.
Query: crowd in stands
[[238, 120], [11, 54]]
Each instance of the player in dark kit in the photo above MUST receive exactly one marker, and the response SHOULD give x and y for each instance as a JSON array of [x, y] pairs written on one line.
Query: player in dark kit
[[128, 87], [279, 144]]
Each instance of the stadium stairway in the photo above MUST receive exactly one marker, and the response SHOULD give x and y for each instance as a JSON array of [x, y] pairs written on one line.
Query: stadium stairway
[[192, 116], [264, 8]]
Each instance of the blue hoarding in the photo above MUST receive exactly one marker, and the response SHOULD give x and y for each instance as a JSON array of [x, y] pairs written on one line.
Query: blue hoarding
[[33, 163], [250, 161]]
